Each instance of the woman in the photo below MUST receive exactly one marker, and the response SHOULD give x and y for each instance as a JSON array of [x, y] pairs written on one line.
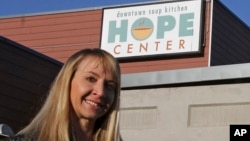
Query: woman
[[83, 102]]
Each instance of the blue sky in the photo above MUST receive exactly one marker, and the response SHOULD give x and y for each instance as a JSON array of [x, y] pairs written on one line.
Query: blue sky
[[241, 8]]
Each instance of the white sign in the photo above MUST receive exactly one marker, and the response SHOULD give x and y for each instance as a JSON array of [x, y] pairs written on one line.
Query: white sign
[[152, 29]]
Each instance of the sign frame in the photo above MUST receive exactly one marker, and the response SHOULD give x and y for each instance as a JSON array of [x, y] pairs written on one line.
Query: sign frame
[[200, 32]]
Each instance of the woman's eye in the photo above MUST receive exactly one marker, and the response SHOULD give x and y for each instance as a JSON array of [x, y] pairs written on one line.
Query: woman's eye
[[110, 86], [91, 79]]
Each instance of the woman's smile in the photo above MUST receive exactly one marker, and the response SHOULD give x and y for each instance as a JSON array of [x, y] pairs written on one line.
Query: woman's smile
[[92, 103], [95, 105]]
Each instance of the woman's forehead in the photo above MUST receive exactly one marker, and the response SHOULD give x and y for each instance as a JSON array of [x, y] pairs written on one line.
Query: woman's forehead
[[92, 63]]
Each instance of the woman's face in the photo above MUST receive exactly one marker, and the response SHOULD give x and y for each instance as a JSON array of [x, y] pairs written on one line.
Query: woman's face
[[92, 89]]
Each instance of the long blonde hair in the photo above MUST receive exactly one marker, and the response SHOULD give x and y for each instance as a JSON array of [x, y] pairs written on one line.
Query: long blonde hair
[[52, 123]]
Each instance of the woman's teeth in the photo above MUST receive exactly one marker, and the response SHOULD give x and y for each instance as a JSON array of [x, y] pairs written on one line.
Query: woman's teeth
[[91, 103]]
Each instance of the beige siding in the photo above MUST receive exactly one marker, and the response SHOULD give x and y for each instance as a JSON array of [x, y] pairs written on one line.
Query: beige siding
[[197, 113]]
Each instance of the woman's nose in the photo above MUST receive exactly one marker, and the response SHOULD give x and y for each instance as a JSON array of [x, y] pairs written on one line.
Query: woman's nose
[[99, 89]]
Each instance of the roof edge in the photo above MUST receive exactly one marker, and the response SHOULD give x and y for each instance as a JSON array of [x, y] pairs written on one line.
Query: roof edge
[[203, 74], [73, 10], [29, 50]]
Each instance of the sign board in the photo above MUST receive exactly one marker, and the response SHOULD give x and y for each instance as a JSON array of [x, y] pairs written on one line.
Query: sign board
[[152, 29]]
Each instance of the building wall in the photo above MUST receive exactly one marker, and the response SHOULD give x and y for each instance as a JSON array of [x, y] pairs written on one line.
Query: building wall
[[185, 113], [59, 35], [190, 113], [25, 77], [230, 38], [56, 35]]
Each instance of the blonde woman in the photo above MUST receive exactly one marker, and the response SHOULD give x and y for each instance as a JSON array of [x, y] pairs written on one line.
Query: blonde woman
[[83, 102]]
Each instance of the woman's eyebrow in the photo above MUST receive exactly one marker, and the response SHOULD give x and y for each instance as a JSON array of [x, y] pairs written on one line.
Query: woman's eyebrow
[[97, 75], [110, 81], [93, 73]]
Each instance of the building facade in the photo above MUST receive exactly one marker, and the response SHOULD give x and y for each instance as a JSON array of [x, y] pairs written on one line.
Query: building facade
[[181, 96]]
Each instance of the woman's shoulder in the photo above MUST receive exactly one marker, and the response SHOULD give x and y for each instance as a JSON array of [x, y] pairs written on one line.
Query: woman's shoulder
[[20, 138], [13, 138]]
